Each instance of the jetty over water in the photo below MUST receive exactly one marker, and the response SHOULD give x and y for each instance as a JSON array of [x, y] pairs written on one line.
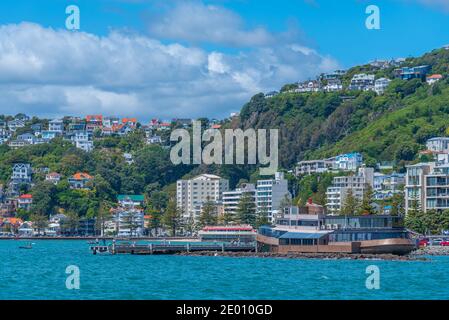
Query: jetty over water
[[172, 248]]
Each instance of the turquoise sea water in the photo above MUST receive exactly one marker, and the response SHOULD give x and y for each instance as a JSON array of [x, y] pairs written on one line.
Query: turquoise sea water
[[39, 273]]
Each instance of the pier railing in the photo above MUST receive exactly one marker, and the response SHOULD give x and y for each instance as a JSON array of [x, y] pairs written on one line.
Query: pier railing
[[162, 248]]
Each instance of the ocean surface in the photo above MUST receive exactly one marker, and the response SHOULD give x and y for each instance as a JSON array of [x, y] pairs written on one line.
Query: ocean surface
[[40, 273]]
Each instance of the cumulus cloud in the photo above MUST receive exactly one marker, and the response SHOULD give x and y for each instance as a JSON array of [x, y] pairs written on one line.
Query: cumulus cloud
[[52, 72], [199, 23]]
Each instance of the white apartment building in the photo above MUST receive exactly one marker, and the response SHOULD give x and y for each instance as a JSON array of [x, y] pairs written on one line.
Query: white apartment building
[[191, 194], [415, 185], [82, 140], [381, 84], [362, 82], [313, 166], [336, 194], [56, 125], [270, 194], [130, 222], [231, 199], [333, 85], [438, 144]]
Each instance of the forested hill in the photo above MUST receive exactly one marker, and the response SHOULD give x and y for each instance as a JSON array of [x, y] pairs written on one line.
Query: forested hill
[[392, 126]]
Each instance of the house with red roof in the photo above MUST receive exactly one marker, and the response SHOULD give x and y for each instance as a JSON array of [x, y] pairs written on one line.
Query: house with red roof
[[79, 180], [25, 201], [433, 78]]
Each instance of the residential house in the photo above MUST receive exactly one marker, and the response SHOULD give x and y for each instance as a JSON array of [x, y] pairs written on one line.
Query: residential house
[[407, 73], [381, 84], [348, 161], [53, 177], [362, 82], [434, 78], [309, 86], [131, 200], [21, 173], [385, 186], [79, 180], [271, 94], [83, 140], [15, 144], [313, 166], [333, 85], [131, 122], [28, 137], [154, 140], [5, 135], [36, 128], [25, 201], [94, 122], [56, 125], [49, 135], [13, 125]]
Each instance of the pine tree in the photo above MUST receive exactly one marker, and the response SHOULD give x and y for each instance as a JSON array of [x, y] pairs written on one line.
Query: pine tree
[[208, 216], [351, 204], [366, 208], [172, 217], [246, 210]]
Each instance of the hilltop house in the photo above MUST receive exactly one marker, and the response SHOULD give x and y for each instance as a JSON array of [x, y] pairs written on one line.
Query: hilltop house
[[56, 125], [407, 73], [333, 85], [309, 86], [53, 177], [362, 82], [433, 79], [79, 180], [381, 84], [130, 200], [83, 140], [271, 94], [13, 125], [25, 201]]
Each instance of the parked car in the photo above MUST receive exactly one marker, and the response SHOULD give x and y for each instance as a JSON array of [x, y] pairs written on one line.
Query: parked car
[[436, 242], [423, 242], [444, 244]]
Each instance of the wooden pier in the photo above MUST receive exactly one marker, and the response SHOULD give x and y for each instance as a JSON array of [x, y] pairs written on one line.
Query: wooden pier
[[172, 248]]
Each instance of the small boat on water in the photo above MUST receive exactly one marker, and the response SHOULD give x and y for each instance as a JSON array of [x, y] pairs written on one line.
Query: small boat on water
[[29, 245]]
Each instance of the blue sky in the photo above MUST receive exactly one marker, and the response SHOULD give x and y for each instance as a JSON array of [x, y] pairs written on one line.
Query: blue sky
[[193, 58]]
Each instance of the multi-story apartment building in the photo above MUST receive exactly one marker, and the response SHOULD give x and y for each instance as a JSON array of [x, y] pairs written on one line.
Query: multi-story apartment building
[[313, 166], [438, 144], [231, 199], [192, 194], [336, 194], [130, 222], [270, 195], [362, 82], [427, 186]]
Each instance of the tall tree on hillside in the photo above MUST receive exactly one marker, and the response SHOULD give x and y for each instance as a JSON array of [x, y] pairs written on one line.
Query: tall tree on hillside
[[366, 207], [44, 201], [351, 204], [208, 216], [172, 217], [246, 210], [262, 216]]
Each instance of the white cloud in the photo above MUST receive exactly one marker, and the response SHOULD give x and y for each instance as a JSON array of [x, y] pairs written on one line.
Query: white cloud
[[56, 72], [199, 23]]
